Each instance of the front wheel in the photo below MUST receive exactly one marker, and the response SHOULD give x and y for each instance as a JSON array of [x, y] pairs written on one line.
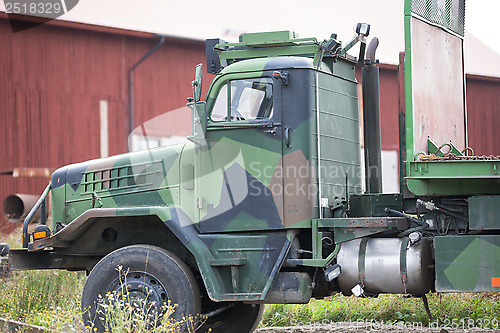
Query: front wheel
[[145, 278]]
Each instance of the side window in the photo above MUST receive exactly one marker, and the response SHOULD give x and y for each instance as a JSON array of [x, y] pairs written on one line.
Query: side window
[[219, 111], [247, 99]]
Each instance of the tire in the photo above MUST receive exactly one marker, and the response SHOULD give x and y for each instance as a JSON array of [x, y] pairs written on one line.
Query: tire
[[142, 267], [229, 317]]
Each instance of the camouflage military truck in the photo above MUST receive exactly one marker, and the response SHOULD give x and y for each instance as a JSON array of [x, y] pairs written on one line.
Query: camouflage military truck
[[264, 202]]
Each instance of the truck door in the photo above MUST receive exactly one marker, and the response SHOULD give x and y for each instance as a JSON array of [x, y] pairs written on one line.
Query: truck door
[[240, 184], [299, 146]]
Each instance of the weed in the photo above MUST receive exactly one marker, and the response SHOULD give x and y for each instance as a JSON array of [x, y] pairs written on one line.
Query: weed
[[130, 312], [46, 298]]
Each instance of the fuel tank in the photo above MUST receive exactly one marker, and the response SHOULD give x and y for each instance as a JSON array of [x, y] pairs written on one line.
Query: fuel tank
[[388, 266]]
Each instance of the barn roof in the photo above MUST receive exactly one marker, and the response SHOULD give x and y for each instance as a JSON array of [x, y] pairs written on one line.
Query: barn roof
[[198, 20]]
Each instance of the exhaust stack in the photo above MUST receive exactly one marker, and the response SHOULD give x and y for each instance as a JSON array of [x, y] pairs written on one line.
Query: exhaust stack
[[371, 120]]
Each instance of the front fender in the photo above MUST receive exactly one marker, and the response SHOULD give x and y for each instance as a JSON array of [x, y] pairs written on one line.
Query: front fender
[[174, 218]]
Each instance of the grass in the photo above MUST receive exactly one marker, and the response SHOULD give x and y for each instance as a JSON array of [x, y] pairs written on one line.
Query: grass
[[45, 298], [52, 299], [446, 309]]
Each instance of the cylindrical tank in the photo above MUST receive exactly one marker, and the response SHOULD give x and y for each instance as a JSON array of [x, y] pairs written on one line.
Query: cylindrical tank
[[17, 206], [383, 268]]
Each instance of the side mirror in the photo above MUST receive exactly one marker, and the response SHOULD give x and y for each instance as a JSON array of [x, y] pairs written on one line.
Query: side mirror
[[197, 83]]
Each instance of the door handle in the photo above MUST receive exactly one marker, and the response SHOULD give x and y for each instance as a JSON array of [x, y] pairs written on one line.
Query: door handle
[[287, 137]]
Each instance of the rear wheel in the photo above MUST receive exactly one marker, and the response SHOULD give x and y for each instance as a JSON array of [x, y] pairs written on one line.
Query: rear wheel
[[146, 277], [227, 317]]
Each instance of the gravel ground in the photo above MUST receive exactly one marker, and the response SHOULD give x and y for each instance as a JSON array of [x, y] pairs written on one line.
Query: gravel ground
[[367, 327]]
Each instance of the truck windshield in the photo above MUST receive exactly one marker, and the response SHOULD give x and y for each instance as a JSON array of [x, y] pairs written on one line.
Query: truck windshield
[[247, 99]]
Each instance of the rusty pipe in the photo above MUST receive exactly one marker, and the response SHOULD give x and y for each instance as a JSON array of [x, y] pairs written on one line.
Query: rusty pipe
[[17, 206]]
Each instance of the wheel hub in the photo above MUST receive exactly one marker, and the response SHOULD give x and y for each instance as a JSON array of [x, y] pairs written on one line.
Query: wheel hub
[[143, 291]]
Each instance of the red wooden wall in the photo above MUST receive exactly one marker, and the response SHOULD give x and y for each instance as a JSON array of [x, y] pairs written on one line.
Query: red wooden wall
[[483, 114], [52, 79]]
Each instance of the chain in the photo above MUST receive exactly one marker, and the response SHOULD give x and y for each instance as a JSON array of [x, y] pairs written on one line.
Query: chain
[[454, 157], [449, 156]]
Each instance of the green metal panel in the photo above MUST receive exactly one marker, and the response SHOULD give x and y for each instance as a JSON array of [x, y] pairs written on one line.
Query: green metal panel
[[484, 212], [453, 177], [374, 204], [338, 131], [346, 229], [467, 263], [408, 82], [343, 69], [245, 262], [58, 199], [144, 178]]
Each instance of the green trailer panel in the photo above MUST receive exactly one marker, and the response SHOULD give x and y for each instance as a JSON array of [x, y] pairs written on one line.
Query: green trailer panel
[[467, 263], [435, 103], [484, 212], [453, 177]]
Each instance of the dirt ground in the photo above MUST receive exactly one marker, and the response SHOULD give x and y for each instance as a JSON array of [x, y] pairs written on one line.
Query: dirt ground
[[370, 327]]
